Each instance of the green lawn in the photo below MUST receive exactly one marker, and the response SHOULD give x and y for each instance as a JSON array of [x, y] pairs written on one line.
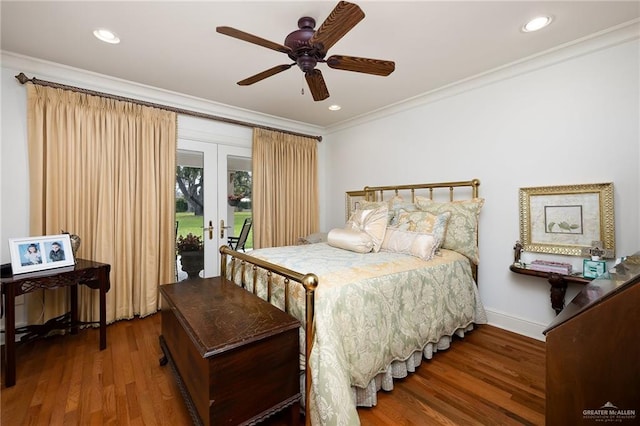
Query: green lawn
[[190, 223]]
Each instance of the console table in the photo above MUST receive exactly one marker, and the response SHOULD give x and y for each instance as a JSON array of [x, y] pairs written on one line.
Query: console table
[[558, 283], [94, 275]]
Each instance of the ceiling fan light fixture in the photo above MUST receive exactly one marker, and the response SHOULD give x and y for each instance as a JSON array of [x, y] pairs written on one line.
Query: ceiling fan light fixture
[[306, 63], [106, 35], [537, 23]]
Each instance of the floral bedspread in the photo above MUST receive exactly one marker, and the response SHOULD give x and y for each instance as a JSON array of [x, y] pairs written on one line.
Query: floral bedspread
[[371, 309]]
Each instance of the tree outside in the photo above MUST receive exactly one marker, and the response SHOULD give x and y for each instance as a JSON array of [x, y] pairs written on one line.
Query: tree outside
[[242, 186], [190, 184]]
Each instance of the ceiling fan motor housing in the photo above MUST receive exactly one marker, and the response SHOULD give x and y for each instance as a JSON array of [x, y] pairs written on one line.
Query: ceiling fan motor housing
[[305, 55]]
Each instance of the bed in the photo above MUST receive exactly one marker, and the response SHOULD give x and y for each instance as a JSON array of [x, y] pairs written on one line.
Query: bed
[[370, 317]]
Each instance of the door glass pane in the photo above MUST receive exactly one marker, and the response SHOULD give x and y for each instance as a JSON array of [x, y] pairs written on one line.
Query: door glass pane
[[189, 214], [239, 190]]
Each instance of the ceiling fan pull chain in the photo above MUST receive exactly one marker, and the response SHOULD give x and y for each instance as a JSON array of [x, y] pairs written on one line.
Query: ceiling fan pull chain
[[302, 85]]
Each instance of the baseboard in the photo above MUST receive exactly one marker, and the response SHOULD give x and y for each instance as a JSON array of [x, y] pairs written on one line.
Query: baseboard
[[516, 325]]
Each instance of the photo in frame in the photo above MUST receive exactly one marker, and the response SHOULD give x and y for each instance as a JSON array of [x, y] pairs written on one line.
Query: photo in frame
[[39, 253], [352, 201], [566, 219]]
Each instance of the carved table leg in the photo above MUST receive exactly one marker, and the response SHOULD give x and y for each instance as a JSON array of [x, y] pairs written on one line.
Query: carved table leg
[[558, 290]]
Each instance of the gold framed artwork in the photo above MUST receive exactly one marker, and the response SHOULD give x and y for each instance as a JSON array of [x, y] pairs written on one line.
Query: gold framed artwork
[[352, 201], [566, 219]]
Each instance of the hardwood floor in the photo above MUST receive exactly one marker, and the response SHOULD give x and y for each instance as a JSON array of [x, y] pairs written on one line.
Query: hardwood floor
[[490, 377]]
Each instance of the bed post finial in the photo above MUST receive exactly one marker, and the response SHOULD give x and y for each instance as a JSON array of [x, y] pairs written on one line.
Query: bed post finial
[[475, 183]]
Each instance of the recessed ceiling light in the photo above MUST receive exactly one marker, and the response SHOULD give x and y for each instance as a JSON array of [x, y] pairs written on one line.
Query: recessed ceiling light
[[536, 24], [335, 107], [106, 36]]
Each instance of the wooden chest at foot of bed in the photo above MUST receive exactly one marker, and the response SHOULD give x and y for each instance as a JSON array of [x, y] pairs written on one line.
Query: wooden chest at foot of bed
[[235, 356]]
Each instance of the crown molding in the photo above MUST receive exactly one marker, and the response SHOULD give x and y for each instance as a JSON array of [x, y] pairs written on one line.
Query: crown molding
[[623, 33], [63, 74]]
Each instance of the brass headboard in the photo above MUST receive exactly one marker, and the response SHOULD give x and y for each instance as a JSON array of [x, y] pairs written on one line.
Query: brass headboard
[[443, 191], [377, 193]]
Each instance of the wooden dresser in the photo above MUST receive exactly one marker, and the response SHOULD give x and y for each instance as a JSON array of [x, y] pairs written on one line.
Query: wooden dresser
[[593, 352], [235, 356]]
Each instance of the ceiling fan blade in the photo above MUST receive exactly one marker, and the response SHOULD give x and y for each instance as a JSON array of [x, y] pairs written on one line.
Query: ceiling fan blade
[[232, 32], [365, 65], [264, 74], [340, 21], [317, 85]]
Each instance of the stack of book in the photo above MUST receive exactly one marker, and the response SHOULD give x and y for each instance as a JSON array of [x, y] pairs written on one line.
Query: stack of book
[[549, 266]]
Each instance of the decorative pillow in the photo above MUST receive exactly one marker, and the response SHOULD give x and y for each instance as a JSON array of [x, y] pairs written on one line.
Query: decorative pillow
[[350, 239], [414, 243], [371, 205], [372, 222], [462, 231], [424, 222], [394, 204]]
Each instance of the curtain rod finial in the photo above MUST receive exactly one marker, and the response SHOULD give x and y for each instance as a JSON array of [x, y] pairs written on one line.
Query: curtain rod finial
[[22, 78]]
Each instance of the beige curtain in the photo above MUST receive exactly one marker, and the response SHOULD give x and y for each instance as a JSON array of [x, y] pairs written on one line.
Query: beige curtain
[[105, 170], [285, 188]]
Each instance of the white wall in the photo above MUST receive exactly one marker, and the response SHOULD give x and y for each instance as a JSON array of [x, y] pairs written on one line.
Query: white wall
[[571, 117]]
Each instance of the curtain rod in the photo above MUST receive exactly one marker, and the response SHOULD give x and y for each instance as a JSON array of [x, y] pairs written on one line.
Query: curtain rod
[[22, 78]]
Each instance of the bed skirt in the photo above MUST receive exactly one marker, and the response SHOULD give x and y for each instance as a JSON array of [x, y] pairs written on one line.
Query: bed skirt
[[367, 397]]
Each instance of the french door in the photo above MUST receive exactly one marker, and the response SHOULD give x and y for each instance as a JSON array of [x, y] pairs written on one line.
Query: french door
[[209, 214]]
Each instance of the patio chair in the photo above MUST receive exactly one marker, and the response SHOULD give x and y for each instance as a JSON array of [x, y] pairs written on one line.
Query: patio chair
[[237, 243]]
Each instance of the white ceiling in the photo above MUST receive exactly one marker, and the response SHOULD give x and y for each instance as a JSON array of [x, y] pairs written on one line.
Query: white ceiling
[[174, 45]]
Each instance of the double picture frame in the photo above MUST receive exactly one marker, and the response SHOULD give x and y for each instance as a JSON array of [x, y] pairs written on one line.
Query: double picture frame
[[40, 253]]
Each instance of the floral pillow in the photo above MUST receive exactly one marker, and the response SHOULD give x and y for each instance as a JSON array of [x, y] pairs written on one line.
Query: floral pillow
[[373, 222], [462, 231], [424, 222], [396, 204]]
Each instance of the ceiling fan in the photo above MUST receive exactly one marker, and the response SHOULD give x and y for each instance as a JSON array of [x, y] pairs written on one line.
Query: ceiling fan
[[308, 47]]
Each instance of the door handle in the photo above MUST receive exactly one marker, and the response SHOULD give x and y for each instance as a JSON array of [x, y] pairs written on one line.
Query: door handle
[[210, 229], [222, 228]]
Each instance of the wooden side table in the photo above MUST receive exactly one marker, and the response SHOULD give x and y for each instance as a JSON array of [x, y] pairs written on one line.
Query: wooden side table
[[558, 283], [94, 275]]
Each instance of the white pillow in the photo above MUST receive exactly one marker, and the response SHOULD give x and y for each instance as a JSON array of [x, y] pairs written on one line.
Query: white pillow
[[373, 222], [416, 244], [350, 239]]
